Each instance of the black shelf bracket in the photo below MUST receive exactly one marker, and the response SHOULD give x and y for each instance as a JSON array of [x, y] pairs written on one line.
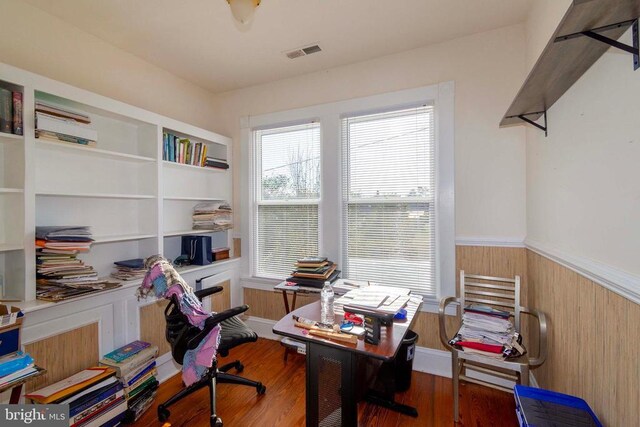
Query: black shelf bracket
[[595, 34], [525, 119]]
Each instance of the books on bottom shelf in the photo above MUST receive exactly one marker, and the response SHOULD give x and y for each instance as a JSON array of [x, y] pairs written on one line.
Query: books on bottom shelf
[[135, 366]]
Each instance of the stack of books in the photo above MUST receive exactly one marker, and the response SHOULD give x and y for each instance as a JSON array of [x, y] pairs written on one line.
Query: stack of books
[[57, 249], [15, 368], [95, 398], [216, 163], [183, 150], [314, 271], [60, 124], [487, 331], [60, 274], [130, 269], [214, 216], [11, 112], [135, 366]]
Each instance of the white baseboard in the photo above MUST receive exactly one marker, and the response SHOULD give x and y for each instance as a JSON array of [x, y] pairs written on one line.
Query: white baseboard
[[166, 367], [432, 361], [262, 327]]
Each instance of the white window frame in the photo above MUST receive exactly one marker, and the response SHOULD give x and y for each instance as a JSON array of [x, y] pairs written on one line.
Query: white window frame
[[256, 196], [330, 205]]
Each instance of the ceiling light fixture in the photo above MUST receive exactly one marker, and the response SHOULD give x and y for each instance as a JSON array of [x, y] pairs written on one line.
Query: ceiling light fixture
[[243, 10]]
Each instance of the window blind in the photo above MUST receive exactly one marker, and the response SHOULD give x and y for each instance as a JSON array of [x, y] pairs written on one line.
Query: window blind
[[286, 197], [388, 198]]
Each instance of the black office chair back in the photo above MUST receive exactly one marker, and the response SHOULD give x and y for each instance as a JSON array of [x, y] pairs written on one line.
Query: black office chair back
[[179, 331]]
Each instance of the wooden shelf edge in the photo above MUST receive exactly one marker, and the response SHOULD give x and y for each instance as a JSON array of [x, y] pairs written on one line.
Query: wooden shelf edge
[[194, 167], [93, 150], [562, 63]]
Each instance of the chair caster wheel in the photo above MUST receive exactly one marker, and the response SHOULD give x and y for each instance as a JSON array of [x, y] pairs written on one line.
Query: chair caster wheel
[[216, 422], [239, 367], [163, 413], [261, 389]]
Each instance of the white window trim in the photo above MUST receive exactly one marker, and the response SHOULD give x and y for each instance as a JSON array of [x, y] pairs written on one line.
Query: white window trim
[[329, 115]]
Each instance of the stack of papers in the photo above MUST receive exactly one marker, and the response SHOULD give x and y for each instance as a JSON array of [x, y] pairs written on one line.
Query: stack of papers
[[215, 216], [380, 299]]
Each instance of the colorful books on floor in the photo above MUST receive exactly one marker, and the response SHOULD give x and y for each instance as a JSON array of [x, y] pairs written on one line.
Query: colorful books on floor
[[135, 365], [71, 386]]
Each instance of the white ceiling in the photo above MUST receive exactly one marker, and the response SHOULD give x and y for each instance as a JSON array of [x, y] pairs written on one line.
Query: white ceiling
[[198, 41]]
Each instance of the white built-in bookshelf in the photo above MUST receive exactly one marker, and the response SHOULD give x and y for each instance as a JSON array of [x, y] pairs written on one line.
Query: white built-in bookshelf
[[136, 203]]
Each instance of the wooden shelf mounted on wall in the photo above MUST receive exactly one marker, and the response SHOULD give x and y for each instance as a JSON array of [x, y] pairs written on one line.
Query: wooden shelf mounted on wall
[[587, 30]]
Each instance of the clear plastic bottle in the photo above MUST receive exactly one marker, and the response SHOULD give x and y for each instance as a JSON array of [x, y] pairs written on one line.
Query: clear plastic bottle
[[326, 303]]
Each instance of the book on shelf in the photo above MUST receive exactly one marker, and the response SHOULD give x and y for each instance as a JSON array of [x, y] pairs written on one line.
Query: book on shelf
[[17, 113], [54, 110], [65, 126], [59, 137], [6, 110], [216, 164]]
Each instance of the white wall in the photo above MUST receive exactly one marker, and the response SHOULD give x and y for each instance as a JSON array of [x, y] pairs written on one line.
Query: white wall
[[583, 181], [487, 68], [36, 41], [542, 21]]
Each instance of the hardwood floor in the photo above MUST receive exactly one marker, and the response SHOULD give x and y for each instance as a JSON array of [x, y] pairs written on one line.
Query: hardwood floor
[[284, 403]]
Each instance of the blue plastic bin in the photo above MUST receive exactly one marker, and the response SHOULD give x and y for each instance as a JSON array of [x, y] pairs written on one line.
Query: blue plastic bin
[[536, 407]]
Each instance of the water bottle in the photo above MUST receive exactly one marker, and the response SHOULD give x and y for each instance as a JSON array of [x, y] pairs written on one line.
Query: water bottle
[[326, 303]]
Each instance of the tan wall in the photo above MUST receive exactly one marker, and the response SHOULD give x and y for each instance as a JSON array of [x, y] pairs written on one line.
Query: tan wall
[[593, 338], [41, 43]]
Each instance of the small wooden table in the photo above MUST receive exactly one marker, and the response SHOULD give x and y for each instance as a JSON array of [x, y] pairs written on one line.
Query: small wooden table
[[16, 386], [295, 290], [331, 380]]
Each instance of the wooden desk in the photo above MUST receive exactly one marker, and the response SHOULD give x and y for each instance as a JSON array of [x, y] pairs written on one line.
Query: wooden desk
[[331, 388]]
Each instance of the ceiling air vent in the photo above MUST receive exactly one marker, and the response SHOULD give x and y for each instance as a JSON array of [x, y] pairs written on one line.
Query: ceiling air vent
[[303, 51]]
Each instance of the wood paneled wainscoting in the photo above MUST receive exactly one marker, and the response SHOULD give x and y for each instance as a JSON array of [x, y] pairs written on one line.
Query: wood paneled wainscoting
[[593, 339], [64, 354]]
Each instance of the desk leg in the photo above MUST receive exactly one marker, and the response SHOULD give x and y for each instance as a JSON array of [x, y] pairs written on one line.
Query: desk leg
[[331, 379], [15, 395], [286, 301]]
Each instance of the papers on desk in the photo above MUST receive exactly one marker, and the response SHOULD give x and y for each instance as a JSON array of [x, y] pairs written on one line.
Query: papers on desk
[[380, 299]]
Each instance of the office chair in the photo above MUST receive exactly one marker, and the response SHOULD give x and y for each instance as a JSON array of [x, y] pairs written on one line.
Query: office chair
[[183, 336], [504, 294]]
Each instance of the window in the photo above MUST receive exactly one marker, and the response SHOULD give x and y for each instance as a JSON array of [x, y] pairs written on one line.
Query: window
[[366, 182], [388, 219], [287, 195]]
